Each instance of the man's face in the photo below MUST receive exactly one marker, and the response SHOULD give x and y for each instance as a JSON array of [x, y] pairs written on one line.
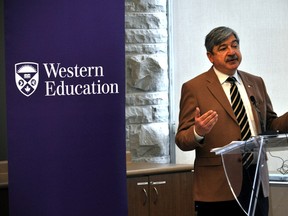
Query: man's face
[[226, 57]]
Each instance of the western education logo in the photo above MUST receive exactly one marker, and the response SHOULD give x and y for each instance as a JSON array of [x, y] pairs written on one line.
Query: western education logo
[[27, 77], [61, 80]]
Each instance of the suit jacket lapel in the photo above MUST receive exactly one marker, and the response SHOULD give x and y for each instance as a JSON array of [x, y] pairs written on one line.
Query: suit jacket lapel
[[217, 91]]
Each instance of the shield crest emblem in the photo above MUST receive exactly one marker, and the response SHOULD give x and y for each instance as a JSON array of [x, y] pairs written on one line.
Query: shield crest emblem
[[27, 77]]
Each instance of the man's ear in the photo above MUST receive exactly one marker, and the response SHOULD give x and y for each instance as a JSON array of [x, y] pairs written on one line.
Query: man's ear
[[210, 57]]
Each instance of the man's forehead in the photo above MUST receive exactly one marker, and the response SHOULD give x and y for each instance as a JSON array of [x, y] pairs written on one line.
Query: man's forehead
[[231, 39]]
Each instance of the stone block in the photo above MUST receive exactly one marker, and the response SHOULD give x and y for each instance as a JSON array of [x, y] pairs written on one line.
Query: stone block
[[146, 36], [145, 21], [145, 6], [147, 73]]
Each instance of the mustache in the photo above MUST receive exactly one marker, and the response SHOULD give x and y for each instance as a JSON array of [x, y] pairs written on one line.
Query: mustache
[[231, 58]]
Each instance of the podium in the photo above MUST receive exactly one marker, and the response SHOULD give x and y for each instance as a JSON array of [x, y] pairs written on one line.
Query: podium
[[258, 145]]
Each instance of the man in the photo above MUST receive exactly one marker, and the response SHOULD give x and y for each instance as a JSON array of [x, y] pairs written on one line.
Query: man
[[207, 120]]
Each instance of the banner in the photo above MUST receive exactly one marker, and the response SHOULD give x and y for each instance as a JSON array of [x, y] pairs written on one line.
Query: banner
[[65, 78]]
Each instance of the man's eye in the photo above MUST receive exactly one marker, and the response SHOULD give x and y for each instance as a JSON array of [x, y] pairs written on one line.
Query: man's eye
[[235, 45], [222, 48]]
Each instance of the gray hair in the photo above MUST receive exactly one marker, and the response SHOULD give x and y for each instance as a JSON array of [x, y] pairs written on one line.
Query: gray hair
[[217, 35]]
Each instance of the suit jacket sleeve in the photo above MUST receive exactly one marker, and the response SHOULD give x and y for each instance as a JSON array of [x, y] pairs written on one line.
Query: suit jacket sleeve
[[185, 138]]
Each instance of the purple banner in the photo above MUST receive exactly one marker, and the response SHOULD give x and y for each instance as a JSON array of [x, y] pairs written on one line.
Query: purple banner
[[65, 78]]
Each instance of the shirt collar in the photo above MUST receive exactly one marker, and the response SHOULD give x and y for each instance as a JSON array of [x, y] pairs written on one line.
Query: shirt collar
[[223, 77]]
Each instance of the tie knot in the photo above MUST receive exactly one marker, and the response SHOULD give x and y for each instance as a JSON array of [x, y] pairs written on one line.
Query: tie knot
[[231, 80]]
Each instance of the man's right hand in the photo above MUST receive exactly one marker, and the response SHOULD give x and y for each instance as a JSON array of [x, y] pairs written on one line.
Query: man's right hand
[[204, 123]]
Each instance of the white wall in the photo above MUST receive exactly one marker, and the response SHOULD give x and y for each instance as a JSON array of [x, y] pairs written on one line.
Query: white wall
[[263, 30]]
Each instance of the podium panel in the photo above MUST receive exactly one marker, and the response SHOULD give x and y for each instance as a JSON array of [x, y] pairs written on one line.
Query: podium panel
[[255, 175]]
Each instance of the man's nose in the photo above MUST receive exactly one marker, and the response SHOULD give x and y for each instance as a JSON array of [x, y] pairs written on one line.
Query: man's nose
[[231, 50]]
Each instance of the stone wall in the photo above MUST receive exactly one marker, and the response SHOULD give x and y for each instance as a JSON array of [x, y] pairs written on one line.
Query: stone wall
[[147, 81]]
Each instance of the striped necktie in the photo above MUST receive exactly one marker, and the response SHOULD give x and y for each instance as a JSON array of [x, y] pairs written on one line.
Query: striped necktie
[[242, 119]]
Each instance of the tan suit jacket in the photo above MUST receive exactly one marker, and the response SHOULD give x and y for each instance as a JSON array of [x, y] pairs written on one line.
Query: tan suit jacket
[[206, 92]]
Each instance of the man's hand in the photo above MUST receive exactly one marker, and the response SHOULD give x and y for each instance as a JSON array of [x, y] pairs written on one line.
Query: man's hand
[[204, 123]]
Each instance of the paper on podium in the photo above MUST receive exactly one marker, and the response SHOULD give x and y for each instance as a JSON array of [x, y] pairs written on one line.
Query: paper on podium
[[234, 147], [271, 142]]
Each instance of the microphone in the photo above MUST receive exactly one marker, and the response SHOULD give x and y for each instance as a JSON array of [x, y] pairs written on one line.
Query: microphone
[[255, 104], [253, 100]]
